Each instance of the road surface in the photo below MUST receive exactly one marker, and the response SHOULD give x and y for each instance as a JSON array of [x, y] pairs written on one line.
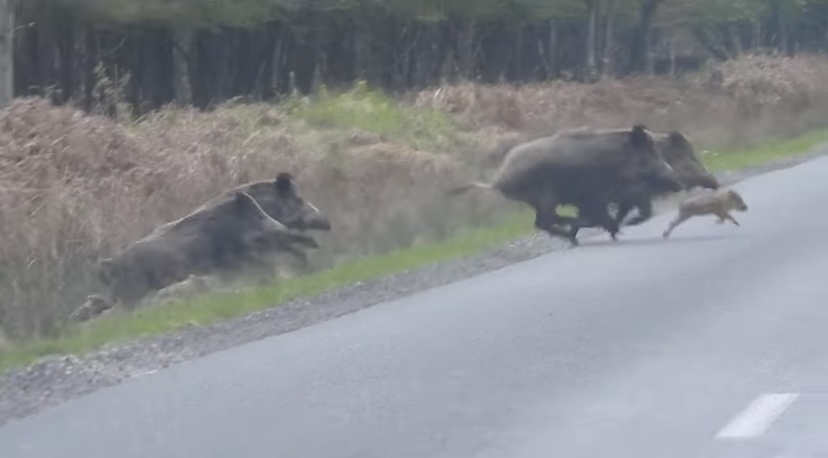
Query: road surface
[[709, 344]]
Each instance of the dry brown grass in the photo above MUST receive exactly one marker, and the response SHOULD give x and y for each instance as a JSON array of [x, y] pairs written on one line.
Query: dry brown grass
[[74, 188], [758, 96]]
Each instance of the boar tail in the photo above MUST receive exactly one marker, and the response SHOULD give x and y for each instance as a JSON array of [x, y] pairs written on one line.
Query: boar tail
[[468, 186]]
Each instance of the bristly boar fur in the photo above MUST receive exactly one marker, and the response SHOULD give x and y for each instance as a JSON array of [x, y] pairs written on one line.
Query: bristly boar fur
[[586, 168], [719, 203], [218, 236]]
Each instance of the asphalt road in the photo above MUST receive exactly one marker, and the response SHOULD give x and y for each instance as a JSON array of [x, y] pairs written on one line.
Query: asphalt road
[[709, 344]]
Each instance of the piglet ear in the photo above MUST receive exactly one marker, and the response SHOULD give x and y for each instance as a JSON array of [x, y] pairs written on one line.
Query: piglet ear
[[284, 183]]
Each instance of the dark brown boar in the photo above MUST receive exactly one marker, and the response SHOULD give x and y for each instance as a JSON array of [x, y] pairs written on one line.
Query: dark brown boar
[[218, 236]]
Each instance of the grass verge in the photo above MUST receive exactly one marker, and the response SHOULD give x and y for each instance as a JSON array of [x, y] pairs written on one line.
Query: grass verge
[[204, 310], [769, 151]]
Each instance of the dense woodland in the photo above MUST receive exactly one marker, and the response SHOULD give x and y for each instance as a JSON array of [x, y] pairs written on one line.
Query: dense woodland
[[206, 51]]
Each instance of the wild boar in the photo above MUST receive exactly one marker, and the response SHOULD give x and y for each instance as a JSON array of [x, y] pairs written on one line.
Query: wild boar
[[678, 151], [216, 237], [719, 203], [587, 168]]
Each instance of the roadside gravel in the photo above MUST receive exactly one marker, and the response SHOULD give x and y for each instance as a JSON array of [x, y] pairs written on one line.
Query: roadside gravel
[[51, 381]]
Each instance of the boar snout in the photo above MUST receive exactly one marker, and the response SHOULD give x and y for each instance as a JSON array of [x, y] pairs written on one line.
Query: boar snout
[[710, 182], [666, 182], [317, 224], [313, 219]]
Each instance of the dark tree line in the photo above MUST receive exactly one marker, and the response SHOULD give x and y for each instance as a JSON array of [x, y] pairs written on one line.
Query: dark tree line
[[206, 51]]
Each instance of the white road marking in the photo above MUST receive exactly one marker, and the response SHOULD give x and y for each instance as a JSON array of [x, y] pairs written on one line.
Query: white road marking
[[758, 416]]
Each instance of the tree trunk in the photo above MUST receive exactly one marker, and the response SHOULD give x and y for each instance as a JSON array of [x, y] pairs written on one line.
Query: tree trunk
[[609, 43], [641, 56], [592, 12], [783, 33], [6, 52], [551, 53], [466, 50], [182, 45], [779, 24], [66, 60], [757, 36]]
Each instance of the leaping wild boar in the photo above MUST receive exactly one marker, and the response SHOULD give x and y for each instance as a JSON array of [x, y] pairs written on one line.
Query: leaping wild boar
[[218, 236], [719, 203], [678, 151], [587, 168]]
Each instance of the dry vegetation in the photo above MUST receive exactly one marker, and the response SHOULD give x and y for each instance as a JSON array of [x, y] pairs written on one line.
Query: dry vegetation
[[74, 188]]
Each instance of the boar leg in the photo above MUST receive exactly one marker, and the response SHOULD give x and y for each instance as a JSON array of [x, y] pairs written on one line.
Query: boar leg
[[645, 212], [682, 217], [624, 208], [549, 222], [730, 217], [592, 215], [290, 242], [547, 218], [297, 254], [95, 305]]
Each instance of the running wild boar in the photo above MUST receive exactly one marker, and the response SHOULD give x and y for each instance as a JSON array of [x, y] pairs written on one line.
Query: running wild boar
[[219, 236]]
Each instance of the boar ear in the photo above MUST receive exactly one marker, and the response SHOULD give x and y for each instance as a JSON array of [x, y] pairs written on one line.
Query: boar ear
[[284, 183], [677, 138], [639, 136]]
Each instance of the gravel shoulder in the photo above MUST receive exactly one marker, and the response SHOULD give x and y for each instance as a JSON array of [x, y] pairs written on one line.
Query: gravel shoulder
[[55, 380]]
